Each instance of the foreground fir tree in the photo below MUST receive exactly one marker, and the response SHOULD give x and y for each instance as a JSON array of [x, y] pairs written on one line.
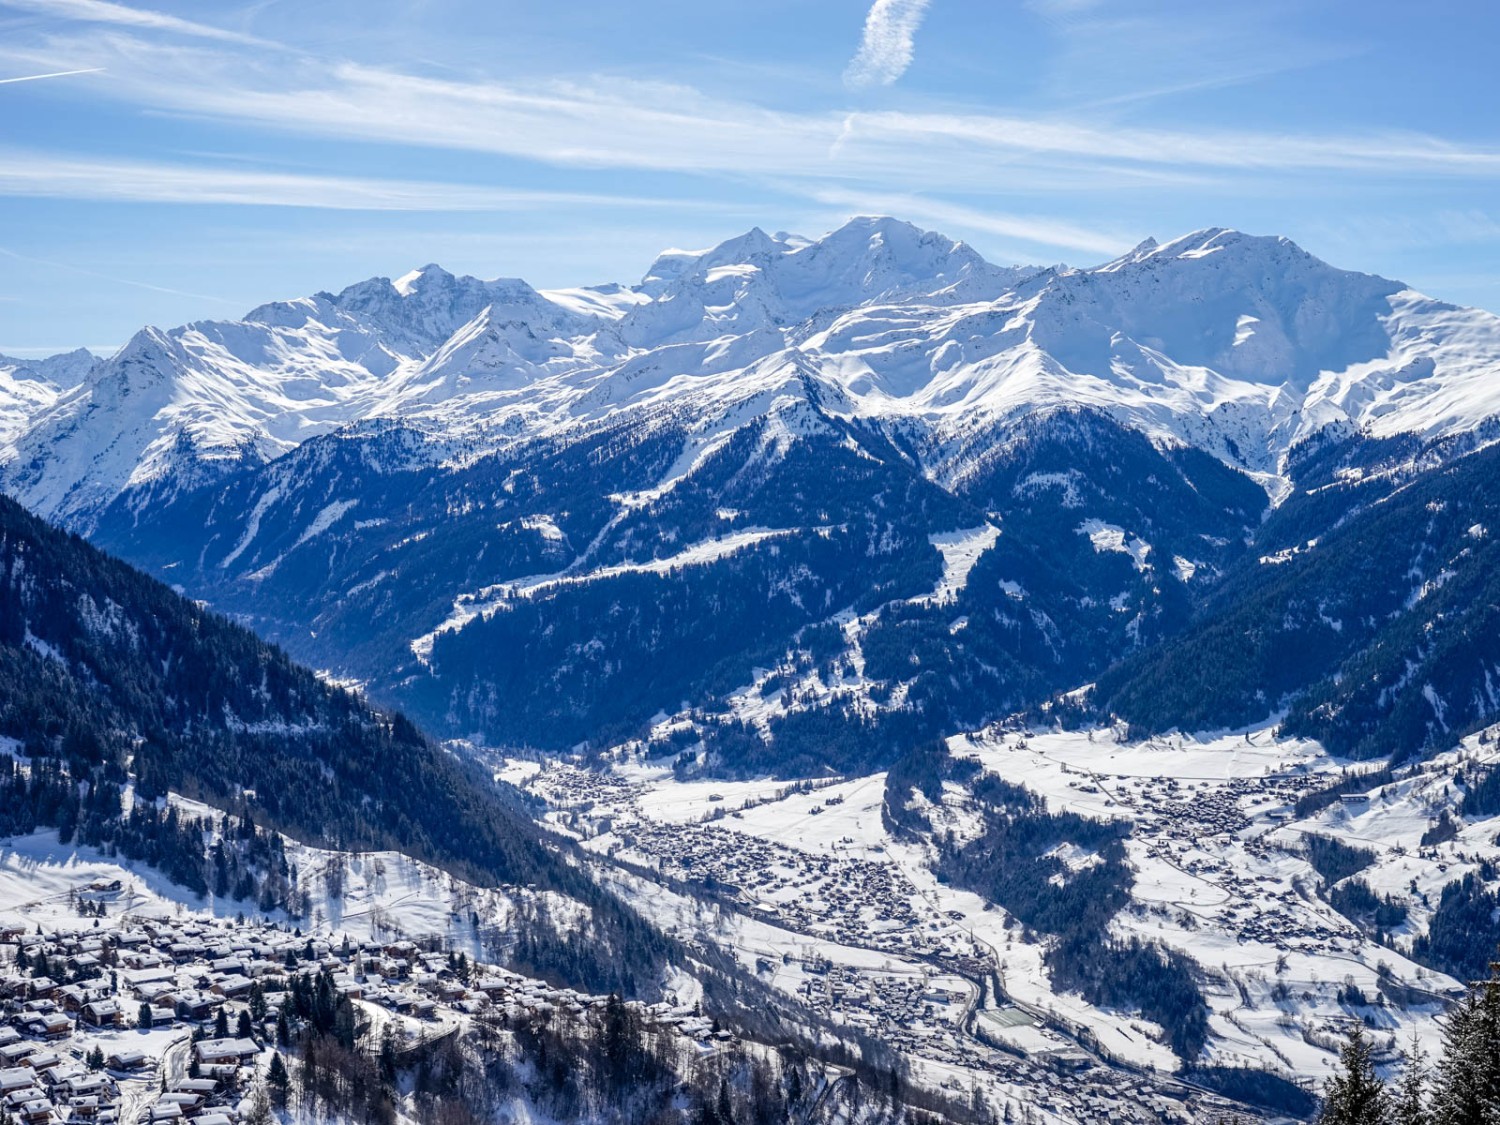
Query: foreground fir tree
[[1409, 1105], [1355, 1094], [1466, 1088]]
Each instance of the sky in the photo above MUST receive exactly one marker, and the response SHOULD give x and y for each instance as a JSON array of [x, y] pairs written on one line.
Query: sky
[[183, 161]]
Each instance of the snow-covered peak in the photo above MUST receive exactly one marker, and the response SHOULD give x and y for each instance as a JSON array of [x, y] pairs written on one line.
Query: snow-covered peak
[[29, 386], [675, 268], [1260, 309], [866, 259], [1142, 249], [757, 280], [67, 369], [1235, 343], [429, 276]]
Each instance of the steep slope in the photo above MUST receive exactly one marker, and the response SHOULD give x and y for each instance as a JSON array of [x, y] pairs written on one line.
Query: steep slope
[[109, 678], [1368, 616], [29, 386]]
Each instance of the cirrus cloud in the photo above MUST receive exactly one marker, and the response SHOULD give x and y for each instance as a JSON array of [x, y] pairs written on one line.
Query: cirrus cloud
[[885, 50]]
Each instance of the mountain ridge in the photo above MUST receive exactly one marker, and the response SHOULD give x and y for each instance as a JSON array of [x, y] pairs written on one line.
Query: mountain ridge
[[1238, 344], [545, 528]]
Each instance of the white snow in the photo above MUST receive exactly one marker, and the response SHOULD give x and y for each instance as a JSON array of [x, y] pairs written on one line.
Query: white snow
[[960, 551], [1212, 340], [1109, 537], [493, 599]]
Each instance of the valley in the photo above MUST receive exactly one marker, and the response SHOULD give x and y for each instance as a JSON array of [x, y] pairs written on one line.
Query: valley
[[808, 880], [835, 678]]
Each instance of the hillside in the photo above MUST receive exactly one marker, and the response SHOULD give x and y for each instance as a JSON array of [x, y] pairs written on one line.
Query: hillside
[[808, 500], [112, 680]]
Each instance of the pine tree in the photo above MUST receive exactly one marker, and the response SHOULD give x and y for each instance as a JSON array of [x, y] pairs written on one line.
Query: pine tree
[[279, 1080], [1410, 1103], [257, 1001], [307, 1079], [1466, 1088], [1355, 1094], [725, 1106]]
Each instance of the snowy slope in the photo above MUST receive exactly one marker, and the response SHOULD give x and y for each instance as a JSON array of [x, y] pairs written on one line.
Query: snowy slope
[[1236, 344], [29, 386]]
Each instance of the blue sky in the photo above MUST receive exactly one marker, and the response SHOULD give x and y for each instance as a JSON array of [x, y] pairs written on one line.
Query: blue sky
[[216, 155]]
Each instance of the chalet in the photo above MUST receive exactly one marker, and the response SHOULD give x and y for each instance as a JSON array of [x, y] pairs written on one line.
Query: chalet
[[212, 1119], [42, 988], [184, 951], [50, 1025], [17, 1098], [234, 985], [85, 1108], [9, 1035], [166, 1111], [13, 1054], [157, 992], [16, 1078], [44, 1061], [37, 1112], [149, 977], [220, 1051], [72, 997], [85, 1085], [197, 1005], [493, 987], [186, 1100], [102, 1013], [127, 1060], [163, 1017], [204, 1088]]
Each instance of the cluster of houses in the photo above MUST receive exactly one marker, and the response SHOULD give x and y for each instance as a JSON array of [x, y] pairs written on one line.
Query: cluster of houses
[[833, 897], [1263, 908], [129, 1039], [75, 1043]]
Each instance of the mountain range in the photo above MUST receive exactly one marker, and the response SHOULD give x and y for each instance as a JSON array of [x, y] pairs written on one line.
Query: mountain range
[[787, 504]]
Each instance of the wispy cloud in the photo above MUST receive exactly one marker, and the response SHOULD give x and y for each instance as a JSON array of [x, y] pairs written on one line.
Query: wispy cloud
[[920, 161], [54, 74], [885, 50], [107, 12], [26, 173], [619, 123], [83, 272]]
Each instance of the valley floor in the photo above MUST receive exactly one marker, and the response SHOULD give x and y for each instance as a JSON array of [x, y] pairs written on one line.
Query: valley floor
[[808, 886]]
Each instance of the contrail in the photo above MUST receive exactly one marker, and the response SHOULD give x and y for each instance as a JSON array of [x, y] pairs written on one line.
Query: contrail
[[54, 74]]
